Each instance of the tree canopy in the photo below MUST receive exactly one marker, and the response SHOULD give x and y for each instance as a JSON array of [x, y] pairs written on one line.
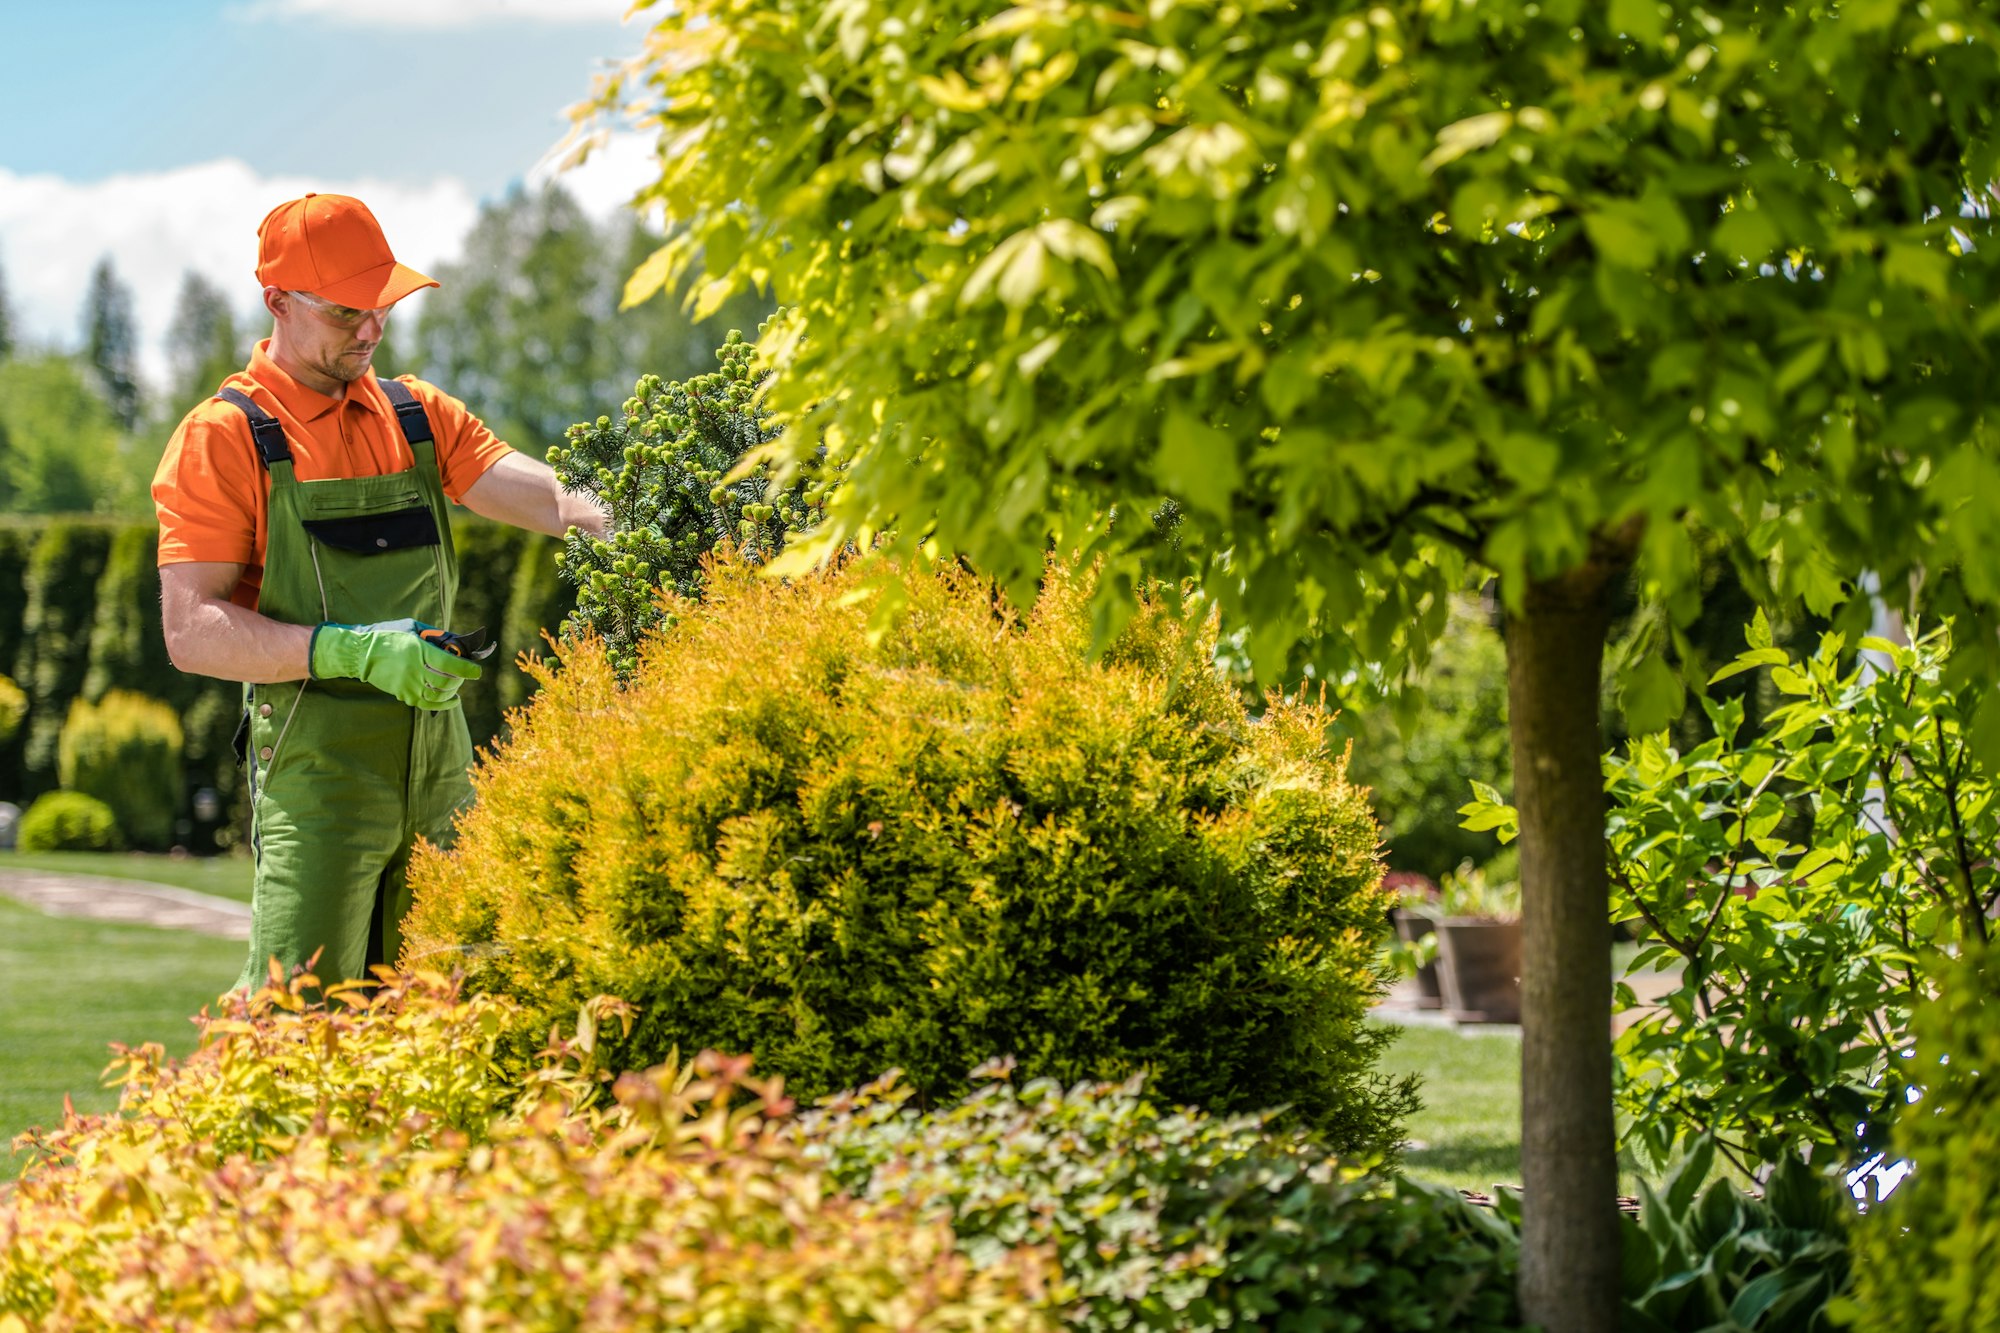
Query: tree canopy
[[1362, 290], [1325, 304]]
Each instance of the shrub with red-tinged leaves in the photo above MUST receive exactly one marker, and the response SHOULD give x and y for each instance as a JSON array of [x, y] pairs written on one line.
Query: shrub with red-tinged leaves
[[358, 1166]]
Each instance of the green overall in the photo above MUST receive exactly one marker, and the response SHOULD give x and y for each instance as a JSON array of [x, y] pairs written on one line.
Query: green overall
[[344, 778]]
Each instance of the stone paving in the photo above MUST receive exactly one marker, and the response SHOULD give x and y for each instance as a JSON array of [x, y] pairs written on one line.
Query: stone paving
[[100, 898]]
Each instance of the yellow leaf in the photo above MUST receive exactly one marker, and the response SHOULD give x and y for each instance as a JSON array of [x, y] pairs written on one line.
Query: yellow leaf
[[660, 269], [951, 92], [1463, 136]]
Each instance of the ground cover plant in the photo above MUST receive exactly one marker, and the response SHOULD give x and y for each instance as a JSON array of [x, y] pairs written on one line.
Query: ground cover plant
[[1166, 1218], [956, 837], [360, 1166]]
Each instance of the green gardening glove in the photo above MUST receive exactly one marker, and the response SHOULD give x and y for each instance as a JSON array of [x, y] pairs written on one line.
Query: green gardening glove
[[391, 657]]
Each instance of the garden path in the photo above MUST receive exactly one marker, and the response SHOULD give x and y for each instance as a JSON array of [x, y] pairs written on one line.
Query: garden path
[[101, 898]]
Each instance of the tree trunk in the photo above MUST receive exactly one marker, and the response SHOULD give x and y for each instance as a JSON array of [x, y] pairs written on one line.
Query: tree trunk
[[1570, 1238]]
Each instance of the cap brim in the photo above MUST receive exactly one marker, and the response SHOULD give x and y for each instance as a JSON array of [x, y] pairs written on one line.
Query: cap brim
[[377, 288]]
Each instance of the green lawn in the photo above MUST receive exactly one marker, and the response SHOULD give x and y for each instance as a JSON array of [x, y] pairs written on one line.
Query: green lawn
[[68, 987], [1468, 1135], [223, 876]]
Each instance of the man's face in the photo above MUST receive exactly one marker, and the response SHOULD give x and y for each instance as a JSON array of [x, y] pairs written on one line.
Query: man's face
[[331, 339]]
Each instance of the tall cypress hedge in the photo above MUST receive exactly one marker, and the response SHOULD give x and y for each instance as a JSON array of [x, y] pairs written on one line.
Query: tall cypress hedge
[[54, 657], [127, 651], [80, 617]]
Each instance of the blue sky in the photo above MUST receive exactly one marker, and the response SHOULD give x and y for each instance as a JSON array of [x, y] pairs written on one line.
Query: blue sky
[[160, 131]]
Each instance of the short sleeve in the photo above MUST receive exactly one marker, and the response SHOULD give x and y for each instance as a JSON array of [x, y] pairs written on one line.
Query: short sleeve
[[466, 448], [209, 491]]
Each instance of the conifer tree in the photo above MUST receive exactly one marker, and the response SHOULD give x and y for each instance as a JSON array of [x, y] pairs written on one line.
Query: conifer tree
[[6, 319], [665, 471], [111, 342], [203, 343]]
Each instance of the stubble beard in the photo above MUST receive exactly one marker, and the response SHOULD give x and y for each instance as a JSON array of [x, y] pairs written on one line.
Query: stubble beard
[[348, 369]]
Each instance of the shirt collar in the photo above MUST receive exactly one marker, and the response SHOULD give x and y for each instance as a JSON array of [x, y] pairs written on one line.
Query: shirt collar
[[305, 403]]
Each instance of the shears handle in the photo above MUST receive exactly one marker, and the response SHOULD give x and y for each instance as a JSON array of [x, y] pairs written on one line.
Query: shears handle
[[471, 645]]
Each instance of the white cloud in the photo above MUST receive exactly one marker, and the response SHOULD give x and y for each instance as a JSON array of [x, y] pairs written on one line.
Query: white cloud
[[436, 14], [158, 225], [605, 182]]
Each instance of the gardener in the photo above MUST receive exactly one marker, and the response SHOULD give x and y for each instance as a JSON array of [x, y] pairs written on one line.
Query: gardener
[[304, 543]]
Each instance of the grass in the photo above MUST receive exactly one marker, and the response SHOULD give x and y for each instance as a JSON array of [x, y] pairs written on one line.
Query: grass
[[70, 986], [223, 876], [1468, 1135]]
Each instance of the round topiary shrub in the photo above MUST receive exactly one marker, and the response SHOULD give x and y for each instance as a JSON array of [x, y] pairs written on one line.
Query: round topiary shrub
[[125, 750], [68, 821], [952, 837]]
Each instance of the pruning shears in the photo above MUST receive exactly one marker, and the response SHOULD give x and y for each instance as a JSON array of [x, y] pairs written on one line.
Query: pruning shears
[[471, 645]]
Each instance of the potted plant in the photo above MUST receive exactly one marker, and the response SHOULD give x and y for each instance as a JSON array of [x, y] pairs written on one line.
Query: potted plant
[[1413, 947], [1479, 946]]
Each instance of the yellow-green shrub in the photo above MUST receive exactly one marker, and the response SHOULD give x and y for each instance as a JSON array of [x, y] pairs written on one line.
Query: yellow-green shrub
[[13, 708], [351, 1168], [846, 851], [68, 821], [1923, 1256], [125, 750]]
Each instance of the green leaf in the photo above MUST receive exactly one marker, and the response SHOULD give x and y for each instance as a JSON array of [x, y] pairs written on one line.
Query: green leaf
[[1750, 661], [1759, 1295], [1639, 19], [1758, 632], [1745, 235], [1651, 695], [1622, 233], [1915, 266], [1197, 463]]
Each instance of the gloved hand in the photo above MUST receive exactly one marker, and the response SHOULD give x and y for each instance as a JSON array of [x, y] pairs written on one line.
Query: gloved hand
[[391, 657]]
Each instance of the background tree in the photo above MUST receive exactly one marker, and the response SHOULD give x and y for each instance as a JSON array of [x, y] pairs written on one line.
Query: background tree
[[6, 320], [111, 343], [204, 346], [1375, 295], [527, 328], [63, 449]]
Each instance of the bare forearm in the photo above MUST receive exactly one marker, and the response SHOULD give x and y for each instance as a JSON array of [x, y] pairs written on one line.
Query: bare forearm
[[580, 511], [524, 491], [230, 642]]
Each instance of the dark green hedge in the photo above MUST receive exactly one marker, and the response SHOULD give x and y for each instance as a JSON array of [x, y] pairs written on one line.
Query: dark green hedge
[[80, 615]]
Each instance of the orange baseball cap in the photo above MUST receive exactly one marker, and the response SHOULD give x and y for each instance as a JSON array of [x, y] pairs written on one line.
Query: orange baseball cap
[[332, 246]]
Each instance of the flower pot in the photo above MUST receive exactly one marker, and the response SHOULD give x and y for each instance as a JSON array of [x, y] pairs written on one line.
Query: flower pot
[[1411, 927], [1479, 969]]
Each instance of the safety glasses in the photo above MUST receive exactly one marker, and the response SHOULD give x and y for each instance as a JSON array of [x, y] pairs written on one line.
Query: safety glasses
[[340, 316]]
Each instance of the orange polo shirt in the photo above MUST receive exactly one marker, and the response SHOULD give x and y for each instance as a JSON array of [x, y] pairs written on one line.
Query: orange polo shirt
[[211, 490]]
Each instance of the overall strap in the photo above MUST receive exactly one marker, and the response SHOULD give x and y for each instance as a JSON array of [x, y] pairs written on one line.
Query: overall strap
[[272, 447], [410, 414]]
